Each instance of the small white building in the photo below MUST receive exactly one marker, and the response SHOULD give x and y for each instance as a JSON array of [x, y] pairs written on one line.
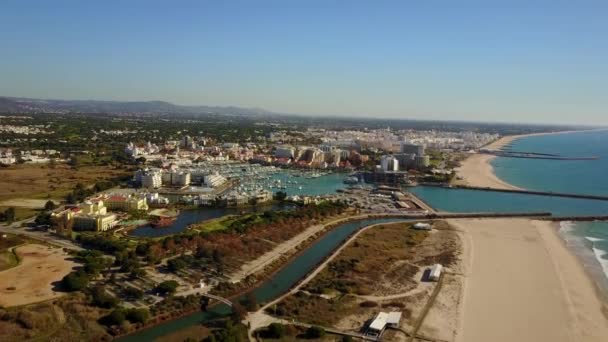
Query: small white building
[[377, 326], [393, 319], [422, 226], [435, 272]]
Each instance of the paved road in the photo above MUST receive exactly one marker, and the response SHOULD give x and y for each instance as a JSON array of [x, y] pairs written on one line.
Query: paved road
[[52, 239]]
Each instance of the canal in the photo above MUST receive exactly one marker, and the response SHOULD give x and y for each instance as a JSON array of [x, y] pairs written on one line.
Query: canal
[[272, 288]]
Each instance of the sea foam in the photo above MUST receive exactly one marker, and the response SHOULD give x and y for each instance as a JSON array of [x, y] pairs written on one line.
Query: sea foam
[[599, 255]]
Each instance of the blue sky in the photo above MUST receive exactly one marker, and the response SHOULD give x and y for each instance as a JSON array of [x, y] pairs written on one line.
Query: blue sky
[[528, 61]]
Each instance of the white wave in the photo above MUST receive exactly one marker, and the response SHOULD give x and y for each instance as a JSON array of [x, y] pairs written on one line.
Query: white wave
[[592, 239], [566, 226], [599, 254]]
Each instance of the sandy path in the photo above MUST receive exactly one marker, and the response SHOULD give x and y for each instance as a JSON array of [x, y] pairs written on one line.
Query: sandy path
[[522, 284], [33, 278]]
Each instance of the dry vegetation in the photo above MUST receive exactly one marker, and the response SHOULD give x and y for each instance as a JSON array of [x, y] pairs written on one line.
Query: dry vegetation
[[65, 319], [380, 271], [45, 181]]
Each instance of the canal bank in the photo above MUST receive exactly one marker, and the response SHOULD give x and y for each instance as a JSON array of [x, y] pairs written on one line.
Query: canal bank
[[277, 284]]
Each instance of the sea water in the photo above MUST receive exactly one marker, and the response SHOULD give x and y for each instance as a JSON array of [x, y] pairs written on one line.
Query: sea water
[[589, 240]]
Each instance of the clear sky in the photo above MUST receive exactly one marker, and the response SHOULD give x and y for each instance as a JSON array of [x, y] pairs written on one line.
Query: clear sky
[[518, 61]]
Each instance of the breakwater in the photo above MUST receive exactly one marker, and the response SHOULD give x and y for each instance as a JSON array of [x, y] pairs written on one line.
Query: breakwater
[[534, 155], [530, 192]]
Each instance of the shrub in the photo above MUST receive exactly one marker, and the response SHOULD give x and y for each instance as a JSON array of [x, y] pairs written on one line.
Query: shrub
[[276, 330], [103, 299], [315, 332], [368, 304], [167, 287], [75, 281], [116, 317], [138, 315]]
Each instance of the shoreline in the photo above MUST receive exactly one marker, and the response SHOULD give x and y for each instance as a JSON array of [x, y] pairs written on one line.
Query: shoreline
[[477, 169], [517, 271]]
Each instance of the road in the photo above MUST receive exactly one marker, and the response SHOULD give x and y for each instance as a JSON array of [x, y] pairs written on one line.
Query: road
[[17, 229]]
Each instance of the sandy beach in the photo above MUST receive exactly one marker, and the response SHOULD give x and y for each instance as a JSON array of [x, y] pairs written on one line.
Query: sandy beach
[[477, 169], [522, 284]]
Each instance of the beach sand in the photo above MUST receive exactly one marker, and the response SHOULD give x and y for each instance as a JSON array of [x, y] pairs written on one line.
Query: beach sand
[[522, 284], [477, 169]]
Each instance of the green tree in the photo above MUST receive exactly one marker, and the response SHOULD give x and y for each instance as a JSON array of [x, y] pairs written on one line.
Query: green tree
[[75, 281], [9, 214], [276, 330], [315, 332], [176, 264], [133, 292], [167, 287], [103, 299], [115, 317], [280, 195], [138, 315], [49, 205]]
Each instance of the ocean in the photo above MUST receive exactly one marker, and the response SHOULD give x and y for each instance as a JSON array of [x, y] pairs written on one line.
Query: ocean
[[589, 240]]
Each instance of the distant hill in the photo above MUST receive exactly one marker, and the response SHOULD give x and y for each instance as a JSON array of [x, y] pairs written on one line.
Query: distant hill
[[29, 105]]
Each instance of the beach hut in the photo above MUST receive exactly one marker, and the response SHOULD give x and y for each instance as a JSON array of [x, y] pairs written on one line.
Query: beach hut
[[435, 272]]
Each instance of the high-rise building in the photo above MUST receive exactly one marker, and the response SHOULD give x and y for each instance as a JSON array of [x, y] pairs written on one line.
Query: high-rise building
[[412, 149], [389, 163]]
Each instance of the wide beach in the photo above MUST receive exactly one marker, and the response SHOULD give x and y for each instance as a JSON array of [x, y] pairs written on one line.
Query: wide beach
[[522, 284], [477, 169]]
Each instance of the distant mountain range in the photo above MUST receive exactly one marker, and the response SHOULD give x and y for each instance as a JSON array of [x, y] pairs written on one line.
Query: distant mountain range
[[29, 105]]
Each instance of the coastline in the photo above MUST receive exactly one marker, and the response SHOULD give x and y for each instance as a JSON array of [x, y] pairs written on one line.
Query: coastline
[[516, 272], [477, 170], [582, 280]]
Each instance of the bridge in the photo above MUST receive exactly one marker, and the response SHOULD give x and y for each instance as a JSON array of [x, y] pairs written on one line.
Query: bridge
[[218, 298]]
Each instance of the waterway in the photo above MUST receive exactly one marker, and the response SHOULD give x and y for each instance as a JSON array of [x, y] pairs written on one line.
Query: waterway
[[191, 216], [275, 286], [323, 185]]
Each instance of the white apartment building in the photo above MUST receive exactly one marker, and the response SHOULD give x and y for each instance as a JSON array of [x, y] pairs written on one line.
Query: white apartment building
[[389, 163]]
